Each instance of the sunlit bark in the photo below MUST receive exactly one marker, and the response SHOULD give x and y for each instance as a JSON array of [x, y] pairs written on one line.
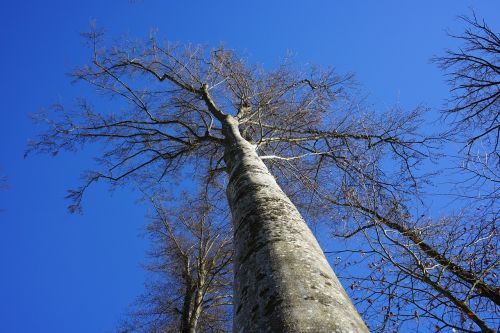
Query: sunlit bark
[[283, 282]]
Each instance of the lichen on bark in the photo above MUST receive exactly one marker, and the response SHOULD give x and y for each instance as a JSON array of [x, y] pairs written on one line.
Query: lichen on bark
[[283, 282]]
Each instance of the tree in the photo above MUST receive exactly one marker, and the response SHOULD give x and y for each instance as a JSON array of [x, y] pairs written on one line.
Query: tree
[[189, 289], [443, 272], [474, 77], [473, 73], [179, 108], [435, 273]]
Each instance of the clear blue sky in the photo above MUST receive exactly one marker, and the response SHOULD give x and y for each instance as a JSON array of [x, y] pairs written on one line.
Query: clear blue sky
[[72, 273]]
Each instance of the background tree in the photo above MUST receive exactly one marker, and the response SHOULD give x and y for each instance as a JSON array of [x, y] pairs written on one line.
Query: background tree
[[432, 274], [473, 73], [190, 282], [474, 77], [435, 273]]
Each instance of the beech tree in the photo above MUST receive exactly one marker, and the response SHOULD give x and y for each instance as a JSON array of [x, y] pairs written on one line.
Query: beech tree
[[179, 109], [190, 280]]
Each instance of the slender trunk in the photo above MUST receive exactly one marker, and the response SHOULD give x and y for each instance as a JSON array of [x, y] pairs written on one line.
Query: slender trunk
[[196, 313], [186, 309], [197, 306], [283, 282]]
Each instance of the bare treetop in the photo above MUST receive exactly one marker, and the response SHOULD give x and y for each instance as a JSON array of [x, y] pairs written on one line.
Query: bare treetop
[[190, 277], [168, 105], [474, 77]]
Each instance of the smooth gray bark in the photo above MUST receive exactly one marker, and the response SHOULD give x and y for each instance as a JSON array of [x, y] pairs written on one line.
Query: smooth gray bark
[[283, 282]]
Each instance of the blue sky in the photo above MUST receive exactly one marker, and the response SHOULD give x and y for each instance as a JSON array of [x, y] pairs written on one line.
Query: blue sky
[[78, 273]]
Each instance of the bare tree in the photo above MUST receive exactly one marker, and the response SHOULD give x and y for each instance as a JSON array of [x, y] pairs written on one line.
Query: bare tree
[[187, 108], [439, 273], [189, 289], [474, 77], [423, 273]]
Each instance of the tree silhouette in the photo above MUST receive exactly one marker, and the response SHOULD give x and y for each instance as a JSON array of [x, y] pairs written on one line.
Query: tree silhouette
[[176, 109]]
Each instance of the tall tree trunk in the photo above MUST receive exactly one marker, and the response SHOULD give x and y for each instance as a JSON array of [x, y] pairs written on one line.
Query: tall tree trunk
[[283, 282]]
